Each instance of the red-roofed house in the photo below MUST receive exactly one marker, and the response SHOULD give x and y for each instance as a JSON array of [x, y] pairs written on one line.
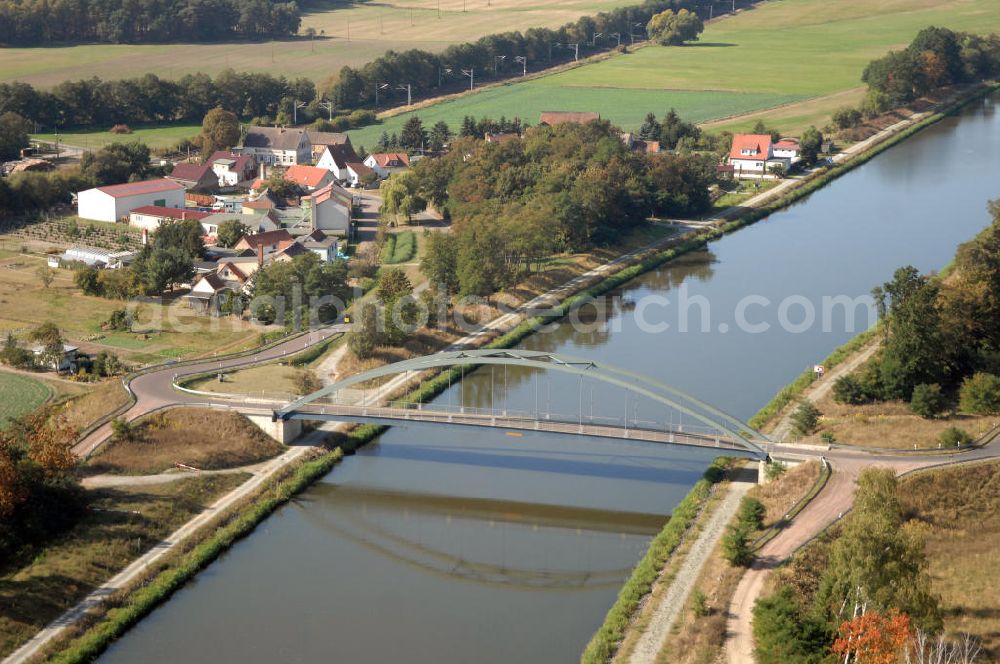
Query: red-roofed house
[[195, 177], [552, 118], [386, 163], [266, 243], [151, 216], [751, 153], [787, 148], [309, 178], [114, 202]]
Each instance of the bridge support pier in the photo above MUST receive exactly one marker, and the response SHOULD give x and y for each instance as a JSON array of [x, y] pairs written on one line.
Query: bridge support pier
[[762, 472], [283, 431]]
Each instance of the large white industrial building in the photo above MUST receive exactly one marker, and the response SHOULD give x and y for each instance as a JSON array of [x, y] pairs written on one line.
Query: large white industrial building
[[114, 202]]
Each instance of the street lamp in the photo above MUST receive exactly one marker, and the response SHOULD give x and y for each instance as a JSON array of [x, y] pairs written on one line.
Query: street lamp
[[379, 86], [409, 96], [471, 73], [296, 105], [524, 62]]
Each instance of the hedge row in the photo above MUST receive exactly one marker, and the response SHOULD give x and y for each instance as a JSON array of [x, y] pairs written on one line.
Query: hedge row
[[609, 636]]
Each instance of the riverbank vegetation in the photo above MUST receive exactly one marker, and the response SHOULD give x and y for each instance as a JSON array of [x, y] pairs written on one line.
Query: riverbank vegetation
[[699, 635], [201, 438], [609, 636], [936, 368]]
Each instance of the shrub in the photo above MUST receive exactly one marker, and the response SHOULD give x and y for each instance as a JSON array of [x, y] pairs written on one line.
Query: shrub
[[927, 400], [849, 390], [828, 437], [783, 634], [954, 437], [122, 430], [699, 604], [805, 419], [751, 513], [980, 394], [775, 469], [306, 381], [847, 117], [736, 546], [120, 129]]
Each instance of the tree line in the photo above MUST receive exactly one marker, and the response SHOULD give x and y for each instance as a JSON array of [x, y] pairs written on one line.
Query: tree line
[[564, 188], [44, 22], [940, 339], [935, 58]]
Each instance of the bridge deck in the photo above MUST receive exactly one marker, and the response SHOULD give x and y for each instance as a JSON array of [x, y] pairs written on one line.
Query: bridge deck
[[514, 423]]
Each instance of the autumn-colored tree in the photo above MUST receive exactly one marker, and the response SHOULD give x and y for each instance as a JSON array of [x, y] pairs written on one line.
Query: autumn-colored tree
[[873, 638]]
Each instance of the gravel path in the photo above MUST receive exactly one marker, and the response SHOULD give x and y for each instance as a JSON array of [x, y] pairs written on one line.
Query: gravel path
[[672, 602]]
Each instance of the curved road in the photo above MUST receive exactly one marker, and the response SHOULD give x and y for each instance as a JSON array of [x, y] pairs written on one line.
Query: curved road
[[833, 501]]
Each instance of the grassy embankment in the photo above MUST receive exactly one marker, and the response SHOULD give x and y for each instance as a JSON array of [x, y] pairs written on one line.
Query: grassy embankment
[[201, 438], [153, 135], [957, 512], [801, 60], [19, 395], [240, 521], [120, 525]]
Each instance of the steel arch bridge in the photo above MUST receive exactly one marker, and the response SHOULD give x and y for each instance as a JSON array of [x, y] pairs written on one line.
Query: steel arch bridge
[[728, 432]]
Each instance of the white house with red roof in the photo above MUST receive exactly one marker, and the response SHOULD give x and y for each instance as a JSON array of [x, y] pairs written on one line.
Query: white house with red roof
[[386, 163], [115, 202], [231, 168], [754, 155]]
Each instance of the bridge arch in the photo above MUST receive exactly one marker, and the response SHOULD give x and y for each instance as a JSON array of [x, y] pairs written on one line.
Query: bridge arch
[[716, 419]]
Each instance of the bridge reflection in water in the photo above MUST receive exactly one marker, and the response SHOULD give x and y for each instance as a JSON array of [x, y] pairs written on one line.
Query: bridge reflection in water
[[436, 534]]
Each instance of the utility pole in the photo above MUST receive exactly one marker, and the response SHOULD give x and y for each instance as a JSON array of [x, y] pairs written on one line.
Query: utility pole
[[616, 35], [497, 59], [593, 40], [328, 105], [524, 62], [409, 97], [576, 51], [296, 105], [348, 29], [471, 73]]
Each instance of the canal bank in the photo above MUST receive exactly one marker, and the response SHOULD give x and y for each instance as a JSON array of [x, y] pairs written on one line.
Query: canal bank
[[659, 280]]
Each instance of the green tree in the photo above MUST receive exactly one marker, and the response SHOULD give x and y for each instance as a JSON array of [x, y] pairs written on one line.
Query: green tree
[[805, 419], [117, 163], [439, 136], [230, 232], [876, 561], [85, 278], [928, 401], [45, 275], [784, 634], [364, 335], [850, 390], [671, 28], [306, 290], [650, 129], [401, 197], [810, 143], [413, 136], [220, 130], [395, 293], [736, 546], [14, 135], [440, 261], [980, 394], [751, 513]]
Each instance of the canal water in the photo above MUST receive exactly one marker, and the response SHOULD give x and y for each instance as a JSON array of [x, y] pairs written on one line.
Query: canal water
[[455, 546]]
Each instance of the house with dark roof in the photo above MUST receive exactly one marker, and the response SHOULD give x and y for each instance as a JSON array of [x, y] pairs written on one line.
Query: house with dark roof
[[552, 118], [344, 163], [231, 168], [114, 202], [277, 146], [321, 140], [195, 177], [385, 164]]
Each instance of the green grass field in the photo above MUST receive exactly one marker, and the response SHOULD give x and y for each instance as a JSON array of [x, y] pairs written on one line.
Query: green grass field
[[20, 395], [155, 136], [351, 36], [806, 56]]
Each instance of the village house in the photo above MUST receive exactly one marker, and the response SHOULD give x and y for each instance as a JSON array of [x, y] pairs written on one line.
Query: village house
[[114, 202], [385, 164], [552, 118], [753, 155], [66, 361], [195, 177], [319, 243], [787, 148], [231, 169], [150, 217], [321, 140], [345, 165], [264, 244], [309, 178], [329, 210], [277, 146], [636, 144]]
